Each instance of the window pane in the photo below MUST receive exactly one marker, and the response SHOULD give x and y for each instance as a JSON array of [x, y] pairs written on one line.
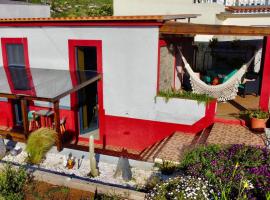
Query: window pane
[[15, 55], [20, 78]]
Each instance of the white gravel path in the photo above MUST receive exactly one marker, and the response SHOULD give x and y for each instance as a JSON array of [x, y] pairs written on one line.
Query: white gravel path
[[54, 162]]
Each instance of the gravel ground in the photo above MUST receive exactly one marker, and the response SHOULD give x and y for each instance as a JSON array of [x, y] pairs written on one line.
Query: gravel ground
[[55, 162]]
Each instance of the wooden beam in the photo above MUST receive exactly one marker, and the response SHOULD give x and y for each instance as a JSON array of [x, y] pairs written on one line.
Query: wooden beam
[[59, 141], [78, 87], [25, 117], [203, 29]]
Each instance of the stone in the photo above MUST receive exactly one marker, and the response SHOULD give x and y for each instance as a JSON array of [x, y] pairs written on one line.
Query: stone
[[123, 168], [3, 148]]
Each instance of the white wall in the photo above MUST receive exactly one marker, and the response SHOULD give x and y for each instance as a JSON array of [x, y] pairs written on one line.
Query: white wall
[[208, 11], [247, 21], [129, 56], [18, 11]]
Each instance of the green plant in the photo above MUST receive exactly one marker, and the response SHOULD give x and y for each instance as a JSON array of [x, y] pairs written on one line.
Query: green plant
[[201, 98], [198, 155], [267, 196], [166, 167], [250, 177], [79, 8], [39, 143], [259, 114], [108, 196], [152, 182], [12, 182]]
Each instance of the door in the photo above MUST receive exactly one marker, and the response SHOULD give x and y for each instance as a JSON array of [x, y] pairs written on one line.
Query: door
[[86, 59]]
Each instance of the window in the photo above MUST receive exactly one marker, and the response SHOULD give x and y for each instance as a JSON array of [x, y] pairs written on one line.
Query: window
[[16, 64]]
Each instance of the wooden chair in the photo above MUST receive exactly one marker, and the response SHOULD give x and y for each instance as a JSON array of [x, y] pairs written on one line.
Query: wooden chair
[[33, 121]]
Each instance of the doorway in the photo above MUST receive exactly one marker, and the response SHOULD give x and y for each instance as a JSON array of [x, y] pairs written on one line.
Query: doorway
[[86, 59]]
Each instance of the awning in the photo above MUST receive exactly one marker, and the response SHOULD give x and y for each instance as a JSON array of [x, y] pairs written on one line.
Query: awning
[[43, 84]]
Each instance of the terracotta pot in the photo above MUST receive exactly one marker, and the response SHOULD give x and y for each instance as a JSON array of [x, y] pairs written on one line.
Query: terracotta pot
[[258, 123]]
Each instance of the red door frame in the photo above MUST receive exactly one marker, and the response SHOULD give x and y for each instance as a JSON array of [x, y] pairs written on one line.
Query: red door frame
[[72, 67]]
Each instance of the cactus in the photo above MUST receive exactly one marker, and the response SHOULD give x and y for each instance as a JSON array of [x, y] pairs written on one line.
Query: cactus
[[93, 163]]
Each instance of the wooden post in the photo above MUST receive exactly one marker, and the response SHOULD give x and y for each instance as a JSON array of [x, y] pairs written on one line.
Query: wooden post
[[265, 86], [57, 125], [25, 117]]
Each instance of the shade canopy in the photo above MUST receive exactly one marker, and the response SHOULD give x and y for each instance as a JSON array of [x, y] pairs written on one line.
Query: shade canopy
[[43, 84]]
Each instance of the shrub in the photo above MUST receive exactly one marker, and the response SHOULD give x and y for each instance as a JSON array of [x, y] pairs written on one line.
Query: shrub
[[12, 182], [259, 114], [201, 98], [39, 143], [217, 166], [182, 187], [166, 167]]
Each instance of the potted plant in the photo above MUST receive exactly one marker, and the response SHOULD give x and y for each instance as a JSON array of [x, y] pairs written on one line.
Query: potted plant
[[258, 119]]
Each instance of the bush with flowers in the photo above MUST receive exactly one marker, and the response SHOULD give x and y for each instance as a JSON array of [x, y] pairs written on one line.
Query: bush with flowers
[[235, 170], [182, 187]]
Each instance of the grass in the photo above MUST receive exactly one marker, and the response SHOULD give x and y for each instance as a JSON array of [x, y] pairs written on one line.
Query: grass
[[201, 98], [39, 143]]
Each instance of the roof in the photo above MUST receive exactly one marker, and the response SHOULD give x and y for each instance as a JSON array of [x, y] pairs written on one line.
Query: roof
[[248, 9], [176, 28], [158, 18]]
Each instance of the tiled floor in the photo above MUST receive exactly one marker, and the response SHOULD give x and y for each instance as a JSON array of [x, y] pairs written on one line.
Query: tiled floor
[[173, 147], [234, 134], [231, 109]]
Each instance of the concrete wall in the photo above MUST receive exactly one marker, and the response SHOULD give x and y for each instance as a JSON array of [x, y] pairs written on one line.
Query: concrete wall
[[169, 7], [21, 10], [247, 21], [130, 59]]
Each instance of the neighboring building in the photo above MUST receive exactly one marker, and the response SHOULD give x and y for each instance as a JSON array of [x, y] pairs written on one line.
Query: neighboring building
[[18, 9], [228, 12]]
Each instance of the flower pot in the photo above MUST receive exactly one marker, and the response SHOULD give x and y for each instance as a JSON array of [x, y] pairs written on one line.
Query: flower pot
[[258, 124]]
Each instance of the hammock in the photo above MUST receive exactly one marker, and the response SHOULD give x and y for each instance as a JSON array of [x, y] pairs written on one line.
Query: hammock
[[222, 92]]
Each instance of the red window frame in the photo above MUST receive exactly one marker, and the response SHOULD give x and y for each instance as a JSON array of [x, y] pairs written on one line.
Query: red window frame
[[23, 41]]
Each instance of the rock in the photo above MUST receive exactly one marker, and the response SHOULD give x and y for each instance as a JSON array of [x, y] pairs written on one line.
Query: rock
[[15, 151], [3, 148], [123, 168]]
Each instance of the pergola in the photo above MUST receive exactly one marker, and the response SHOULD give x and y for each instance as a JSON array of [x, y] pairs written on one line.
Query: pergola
[[171, 28], [47, 85]]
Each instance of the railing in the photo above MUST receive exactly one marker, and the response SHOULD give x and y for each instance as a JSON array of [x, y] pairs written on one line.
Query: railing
[[236, 2]]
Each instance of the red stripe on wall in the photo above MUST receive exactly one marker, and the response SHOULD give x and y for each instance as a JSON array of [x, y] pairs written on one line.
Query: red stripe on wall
[[139, 134], [6, 116]]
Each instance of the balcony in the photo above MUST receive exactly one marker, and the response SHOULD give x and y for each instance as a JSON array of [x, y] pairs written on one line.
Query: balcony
[[242, 3]]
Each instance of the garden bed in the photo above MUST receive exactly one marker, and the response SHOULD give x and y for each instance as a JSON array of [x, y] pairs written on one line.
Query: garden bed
[[45, 191], [54, 163]]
